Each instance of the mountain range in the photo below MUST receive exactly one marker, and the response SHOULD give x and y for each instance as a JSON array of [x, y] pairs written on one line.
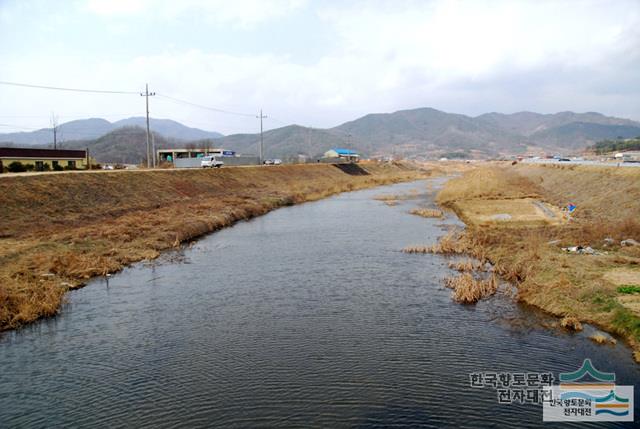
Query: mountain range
[[417, 133], [93, 128], [430, 133]]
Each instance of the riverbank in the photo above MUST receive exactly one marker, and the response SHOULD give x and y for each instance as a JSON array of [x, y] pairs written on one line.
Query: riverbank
[[514, 220], [58, 231]]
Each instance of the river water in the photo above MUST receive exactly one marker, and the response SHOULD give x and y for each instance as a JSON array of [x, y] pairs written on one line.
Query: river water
[[309, 316]]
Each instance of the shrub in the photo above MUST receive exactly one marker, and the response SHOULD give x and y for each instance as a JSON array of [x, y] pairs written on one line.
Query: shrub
[[16, 167], [629, 289], [427, 212], [468, 290], [571, 323], [57, 167]]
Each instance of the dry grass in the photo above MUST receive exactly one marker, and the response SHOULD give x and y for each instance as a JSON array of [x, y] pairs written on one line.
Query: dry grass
[[602, 339], [510, 212], [387, 197], [451, 243], [59, 230], [571, 323], [467, 265], [581, 286], [488, 183], [419, 249], [429, 213], [392, 199], [468, 290]]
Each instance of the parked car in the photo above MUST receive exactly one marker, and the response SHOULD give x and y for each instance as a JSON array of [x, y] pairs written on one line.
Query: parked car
[[211, 162], [272, 161]]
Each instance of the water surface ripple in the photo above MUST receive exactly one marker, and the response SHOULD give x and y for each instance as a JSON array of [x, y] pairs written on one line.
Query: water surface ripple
[[309, 316]]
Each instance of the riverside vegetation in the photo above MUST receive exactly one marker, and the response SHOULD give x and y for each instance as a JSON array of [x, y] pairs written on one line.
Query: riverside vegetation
[[526, 243], [59, 230]]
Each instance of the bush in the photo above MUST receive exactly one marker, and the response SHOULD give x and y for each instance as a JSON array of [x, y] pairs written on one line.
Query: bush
[[16, 167], [30, 167], [57, 167]]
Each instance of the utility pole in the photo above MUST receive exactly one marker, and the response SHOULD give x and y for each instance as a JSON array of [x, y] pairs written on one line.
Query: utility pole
[[54, 125], [261, 139], [151, 154]]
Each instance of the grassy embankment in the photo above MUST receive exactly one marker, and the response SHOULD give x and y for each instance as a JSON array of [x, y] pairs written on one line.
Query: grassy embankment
[[58, 230], [508, 226]]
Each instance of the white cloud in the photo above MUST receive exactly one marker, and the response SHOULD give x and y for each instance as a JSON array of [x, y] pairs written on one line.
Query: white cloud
[[116, 7], [452, 39], [239, 13], [465, 57]]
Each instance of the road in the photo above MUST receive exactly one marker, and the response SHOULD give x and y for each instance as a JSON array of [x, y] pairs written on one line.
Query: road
[[582, 162], [132, 170]]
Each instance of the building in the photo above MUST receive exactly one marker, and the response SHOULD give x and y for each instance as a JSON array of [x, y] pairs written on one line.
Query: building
[[31, 159], [341, 155], [190, 158], [629, 156], [170, 155]]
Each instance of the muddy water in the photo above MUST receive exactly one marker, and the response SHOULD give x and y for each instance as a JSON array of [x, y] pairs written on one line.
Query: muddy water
[[306, 317]]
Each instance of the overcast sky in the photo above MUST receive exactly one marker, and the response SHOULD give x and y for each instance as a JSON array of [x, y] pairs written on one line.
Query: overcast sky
[[316, 63]]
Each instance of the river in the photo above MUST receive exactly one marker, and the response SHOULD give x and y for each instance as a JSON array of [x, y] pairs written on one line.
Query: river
[[309, 316]]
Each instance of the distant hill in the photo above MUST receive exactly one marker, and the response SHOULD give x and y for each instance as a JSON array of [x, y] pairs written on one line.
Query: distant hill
[[620, 145], [530, 123], [430, 133], [94, 128], [577, 135], [286, 142], [417, 133], [126, 145], [168, 128]]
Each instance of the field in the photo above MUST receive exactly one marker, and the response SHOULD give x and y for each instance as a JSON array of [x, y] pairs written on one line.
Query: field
[[59, 230], [528, 246]]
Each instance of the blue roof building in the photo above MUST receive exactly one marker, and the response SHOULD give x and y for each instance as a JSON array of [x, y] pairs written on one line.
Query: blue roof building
[[342, 153]]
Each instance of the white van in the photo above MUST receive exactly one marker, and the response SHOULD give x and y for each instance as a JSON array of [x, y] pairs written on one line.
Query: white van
[[211, 161]]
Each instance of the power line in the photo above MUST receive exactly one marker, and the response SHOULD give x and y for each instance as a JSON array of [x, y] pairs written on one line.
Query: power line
[[18, 126], [277, 120], [87, 116], [57, 88], [214, 109]]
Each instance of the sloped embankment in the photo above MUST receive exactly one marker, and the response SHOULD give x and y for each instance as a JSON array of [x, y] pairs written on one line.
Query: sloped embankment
[[57, 230], [570, 284]]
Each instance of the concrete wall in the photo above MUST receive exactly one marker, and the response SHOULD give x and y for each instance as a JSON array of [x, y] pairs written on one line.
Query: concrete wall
[[241, 160], [228, 161], [187, 162]]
